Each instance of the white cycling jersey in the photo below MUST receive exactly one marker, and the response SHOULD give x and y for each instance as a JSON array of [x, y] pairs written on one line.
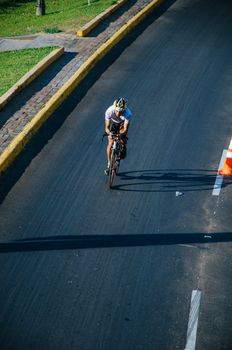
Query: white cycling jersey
[[125, 117]]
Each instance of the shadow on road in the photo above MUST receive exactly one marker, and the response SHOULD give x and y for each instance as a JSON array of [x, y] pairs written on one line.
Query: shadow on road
[[109, 241], [168, 180]]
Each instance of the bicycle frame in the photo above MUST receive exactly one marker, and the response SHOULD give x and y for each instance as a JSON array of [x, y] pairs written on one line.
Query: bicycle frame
[[117, 145]]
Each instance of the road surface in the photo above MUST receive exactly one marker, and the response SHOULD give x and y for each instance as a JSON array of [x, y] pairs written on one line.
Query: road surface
[[146, 265]]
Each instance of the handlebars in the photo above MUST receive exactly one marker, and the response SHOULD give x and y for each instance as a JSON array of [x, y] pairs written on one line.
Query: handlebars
[[112, 134]]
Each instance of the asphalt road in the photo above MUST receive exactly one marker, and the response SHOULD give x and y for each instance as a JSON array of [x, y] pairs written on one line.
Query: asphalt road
[[90, 268]]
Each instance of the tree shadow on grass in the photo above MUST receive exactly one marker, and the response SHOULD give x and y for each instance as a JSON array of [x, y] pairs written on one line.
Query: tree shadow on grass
[[4, 4]]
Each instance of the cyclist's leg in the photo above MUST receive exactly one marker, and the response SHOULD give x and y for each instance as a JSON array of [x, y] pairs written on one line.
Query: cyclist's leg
[[123, 146], [109, 148], [109, 151]]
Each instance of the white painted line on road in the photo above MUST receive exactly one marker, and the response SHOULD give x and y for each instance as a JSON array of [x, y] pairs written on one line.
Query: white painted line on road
[[188, 246], [193, 320], [219, 178]]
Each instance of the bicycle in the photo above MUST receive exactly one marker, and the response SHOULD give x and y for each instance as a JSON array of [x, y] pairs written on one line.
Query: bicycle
[[115, 157]]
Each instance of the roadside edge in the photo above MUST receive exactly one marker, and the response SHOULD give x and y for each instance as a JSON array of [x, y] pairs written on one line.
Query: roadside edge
[[30, 76], [98, 19]]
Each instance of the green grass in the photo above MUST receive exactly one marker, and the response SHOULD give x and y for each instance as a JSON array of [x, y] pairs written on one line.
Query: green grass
[[14, 64], [19, 17]]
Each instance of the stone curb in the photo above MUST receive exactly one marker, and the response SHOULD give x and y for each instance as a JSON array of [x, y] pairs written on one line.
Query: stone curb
[[18, 143], [92, 24], [30, 76]]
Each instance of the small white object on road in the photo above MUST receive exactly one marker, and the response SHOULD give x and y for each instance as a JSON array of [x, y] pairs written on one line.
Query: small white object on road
[[178, 193]]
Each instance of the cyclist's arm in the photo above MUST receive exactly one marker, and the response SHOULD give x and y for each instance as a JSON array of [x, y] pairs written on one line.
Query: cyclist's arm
[[127, 116], [107, 126], [125, 128]]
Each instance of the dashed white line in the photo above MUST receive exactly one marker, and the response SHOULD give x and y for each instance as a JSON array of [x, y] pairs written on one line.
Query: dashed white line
[[219, 178], [193, 320]]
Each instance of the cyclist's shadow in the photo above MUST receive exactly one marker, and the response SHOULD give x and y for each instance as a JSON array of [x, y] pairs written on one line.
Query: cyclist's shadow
[[168, 180]]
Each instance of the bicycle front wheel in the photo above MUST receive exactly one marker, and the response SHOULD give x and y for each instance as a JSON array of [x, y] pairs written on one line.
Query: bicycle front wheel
[[112, 169]]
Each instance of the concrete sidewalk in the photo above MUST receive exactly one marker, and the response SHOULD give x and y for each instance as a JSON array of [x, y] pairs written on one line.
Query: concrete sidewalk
[[21, 110]]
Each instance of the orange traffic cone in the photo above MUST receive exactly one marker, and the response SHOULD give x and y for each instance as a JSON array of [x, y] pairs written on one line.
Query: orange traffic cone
[[227, 167]]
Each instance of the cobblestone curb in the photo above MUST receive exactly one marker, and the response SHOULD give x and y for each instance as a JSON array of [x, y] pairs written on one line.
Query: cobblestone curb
[[98, 19], [18, 142], [30, 76]]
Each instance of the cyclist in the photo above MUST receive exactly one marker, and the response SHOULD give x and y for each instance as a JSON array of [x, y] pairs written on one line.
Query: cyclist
[[117, 119]]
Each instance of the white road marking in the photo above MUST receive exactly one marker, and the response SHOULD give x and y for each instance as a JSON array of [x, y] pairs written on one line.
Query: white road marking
[[188, 246], [219, 178], [193, 320]]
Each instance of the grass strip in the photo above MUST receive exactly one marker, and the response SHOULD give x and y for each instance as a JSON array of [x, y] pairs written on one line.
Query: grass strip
[[14, 64], [19, 17]]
